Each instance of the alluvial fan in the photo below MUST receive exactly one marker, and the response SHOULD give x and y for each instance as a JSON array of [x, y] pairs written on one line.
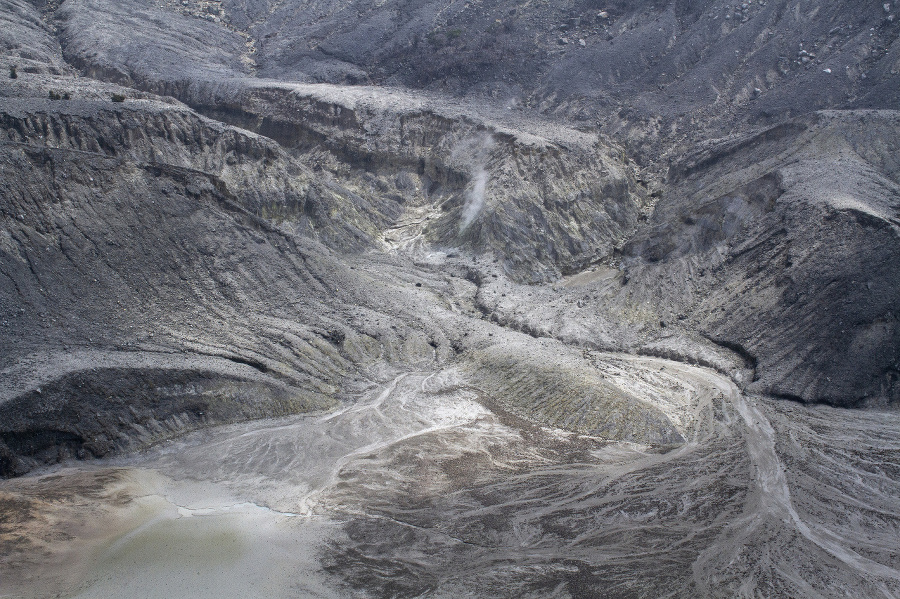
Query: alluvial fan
[[418, 488]]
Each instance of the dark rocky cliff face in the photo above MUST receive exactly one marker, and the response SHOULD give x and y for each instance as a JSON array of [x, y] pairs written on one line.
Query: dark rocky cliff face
[[784, 244], [711, 183]]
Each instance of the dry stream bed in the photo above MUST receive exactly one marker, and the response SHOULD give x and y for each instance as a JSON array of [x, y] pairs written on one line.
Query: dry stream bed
[[420, 489]]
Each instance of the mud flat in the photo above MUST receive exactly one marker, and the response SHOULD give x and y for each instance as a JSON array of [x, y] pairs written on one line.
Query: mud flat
[[418, 489]]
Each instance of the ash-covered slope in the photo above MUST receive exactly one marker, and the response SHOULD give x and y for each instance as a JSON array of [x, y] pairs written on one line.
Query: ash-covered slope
[[27, 41], [167, 272], [542, 197], [785, 245], [655, 71], [141, 298], [548, 198], [145, 295], [528, 282], [273, 243]]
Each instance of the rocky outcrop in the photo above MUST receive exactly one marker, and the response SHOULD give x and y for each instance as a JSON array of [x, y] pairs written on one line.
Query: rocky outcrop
[[541, 197], [251, 170], [114, 248], [27, 42], [783, 245]]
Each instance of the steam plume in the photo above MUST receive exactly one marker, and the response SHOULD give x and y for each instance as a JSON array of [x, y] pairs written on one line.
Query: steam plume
[[474, 152]]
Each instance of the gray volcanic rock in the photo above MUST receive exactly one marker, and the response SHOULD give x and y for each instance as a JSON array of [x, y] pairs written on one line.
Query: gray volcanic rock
[[542, 197], [651, 73], [115, 246], [548, 384], [304, 240], [27, 42], [785, 246], [650, 61], [526, 285], [160, 47], [171, 265], [163, 133]]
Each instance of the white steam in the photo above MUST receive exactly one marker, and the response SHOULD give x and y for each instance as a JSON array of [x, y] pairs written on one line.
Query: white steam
[[474, 153], [474, 198]]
